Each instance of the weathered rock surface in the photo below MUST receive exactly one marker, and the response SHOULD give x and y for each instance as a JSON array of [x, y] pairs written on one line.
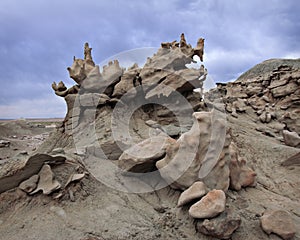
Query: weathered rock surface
[[278, 222], [221, 227], [74, 177], [30, 184], [32, 167], [143, 156], [47, 184], [212, 204], [197, 190], [193, 154], [271, 89]]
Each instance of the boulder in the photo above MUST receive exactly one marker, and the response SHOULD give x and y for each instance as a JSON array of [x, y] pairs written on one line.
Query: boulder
[[279, 222], [197, 190], [221, 227], [143, 156], [291, 138], [211, 205]]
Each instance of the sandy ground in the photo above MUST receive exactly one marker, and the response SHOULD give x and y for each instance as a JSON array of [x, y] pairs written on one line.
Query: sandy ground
[[24, 135]]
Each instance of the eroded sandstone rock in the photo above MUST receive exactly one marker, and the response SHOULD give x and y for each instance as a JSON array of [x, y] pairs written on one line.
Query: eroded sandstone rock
[[47, 183], [278, 222], [198, 153], [32, 167], [143, 156], [212, 204], [197, 190], [30, 184], [240, 174]]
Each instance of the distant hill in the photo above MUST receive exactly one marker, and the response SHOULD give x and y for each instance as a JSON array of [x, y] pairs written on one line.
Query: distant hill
[[268, 66]]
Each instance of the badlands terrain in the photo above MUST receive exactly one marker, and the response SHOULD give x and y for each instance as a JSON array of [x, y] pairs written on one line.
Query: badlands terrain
[[141, 155]]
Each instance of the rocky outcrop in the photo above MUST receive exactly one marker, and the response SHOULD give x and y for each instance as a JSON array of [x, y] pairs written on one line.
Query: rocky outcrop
[[199, 49], [279, 222], [212, 204], [164, 74], [271, 89]]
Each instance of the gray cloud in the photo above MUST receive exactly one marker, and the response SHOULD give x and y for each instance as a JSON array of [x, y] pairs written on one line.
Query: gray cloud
[[39, 38]]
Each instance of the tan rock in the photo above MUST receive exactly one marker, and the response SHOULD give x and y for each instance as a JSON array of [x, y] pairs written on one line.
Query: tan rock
[[198, 154], [143, 156], [279, 222], [240, 174], [30, 184], [212, 204], [47, 184], [291, 138], [197, 190], [74, 177], [199, 49]]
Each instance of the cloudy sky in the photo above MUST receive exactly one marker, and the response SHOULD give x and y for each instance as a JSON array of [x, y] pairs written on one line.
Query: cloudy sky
[[38, 39]]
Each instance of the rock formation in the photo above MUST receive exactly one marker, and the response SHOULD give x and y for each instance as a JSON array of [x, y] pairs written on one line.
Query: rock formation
[[154, 131], [271, 90], [199, 49]]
